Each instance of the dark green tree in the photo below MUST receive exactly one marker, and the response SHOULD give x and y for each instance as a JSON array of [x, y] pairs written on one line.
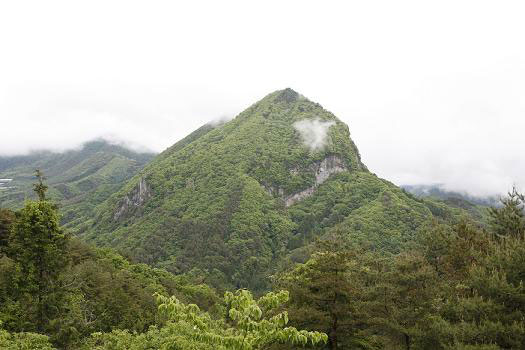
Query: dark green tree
[[510, 218], [39, 246], [327, 295], [403, 298]]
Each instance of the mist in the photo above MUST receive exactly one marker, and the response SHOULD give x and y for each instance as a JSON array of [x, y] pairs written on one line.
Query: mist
[[432, 92], [313, 132]]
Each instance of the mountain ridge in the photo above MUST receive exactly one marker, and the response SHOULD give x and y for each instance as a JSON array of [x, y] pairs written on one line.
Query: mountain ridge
[[78, 179]]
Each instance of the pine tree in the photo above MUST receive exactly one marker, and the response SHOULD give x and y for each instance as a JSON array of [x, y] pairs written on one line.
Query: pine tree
[[510, 218], [327, 294], [403, 298]]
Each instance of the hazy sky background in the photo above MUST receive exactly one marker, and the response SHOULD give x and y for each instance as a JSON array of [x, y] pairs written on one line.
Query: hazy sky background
[[433, 91]]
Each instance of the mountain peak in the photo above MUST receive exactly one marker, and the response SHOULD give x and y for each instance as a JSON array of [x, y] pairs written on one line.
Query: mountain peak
[[286, 95]]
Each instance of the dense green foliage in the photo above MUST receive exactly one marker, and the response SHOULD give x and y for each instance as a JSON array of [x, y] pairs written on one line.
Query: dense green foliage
[[37, 247], [248, 324], [65, 289], [24, 341], [325, 296], [362, 209], [101, 291], [78, 180], [459, 287], [52, 284], [510, 218]]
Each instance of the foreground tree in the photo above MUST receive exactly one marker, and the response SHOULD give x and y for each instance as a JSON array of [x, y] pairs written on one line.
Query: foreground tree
[[23, 341], [327, 294], [38, 246], [403, 299], [249, 325], [487, 308]]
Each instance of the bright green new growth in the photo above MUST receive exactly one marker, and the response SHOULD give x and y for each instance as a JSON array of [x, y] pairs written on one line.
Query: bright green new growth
[[24, 341], [247, 324], [250, 324]]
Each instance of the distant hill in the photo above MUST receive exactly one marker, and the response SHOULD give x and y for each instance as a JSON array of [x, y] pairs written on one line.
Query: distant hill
[[78, 179], [437, 191], [436, 195], [240, 199]]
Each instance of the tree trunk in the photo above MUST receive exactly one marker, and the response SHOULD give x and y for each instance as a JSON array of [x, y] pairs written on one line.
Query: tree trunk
[[333, 334], [407, 341], [40, 322]]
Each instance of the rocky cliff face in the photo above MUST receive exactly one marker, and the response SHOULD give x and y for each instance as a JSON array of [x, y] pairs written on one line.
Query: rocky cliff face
[[136, 198], [328, 166]]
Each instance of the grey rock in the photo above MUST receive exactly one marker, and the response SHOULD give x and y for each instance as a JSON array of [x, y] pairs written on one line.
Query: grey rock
[[328, 166], [322, 170], [136, 198]]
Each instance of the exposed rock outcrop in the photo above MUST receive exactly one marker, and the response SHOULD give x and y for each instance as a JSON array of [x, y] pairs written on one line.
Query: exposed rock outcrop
[[135, 199], [296, 197], [328, 166], [322, 170]]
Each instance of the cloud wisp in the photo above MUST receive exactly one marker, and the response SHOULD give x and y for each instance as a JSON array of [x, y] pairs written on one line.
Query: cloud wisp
[[313, 132]]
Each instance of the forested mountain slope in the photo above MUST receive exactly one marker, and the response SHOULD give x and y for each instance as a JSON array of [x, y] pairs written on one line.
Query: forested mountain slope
[[239, 199], [78, 179]]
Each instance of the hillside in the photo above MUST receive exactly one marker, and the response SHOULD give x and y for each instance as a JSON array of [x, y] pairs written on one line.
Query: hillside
[[78, 179], [241, 199]]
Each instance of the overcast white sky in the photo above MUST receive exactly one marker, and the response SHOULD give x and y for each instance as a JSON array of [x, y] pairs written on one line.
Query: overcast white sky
[[433, 91]]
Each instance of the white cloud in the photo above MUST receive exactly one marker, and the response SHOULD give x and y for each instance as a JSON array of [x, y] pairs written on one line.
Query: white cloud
[[313, 132]]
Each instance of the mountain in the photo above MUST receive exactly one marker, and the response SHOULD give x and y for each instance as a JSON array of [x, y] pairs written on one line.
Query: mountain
[[241, 199], [78, 179]]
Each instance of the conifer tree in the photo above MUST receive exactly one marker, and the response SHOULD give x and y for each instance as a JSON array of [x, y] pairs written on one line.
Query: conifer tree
[[510, 218], [327, 295], [39, 246], [404, 298]]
